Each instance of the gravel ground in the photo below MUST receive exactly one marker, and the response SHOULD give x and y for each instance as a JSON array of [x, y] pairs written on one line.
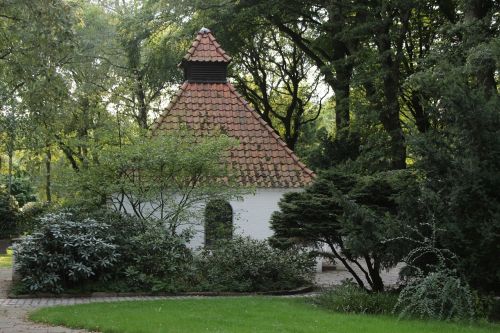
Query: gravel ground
[[331, 278]]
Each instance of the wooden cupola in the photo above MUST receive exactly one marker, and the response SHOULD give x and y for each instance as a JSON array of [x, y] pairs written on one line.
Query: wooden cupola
[[205, 61]]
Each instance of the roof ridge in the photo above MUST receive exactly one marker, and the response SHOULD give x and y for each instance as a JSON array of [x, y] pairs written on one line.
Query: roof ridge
[[271, 130], [204, 55], [170, 105]]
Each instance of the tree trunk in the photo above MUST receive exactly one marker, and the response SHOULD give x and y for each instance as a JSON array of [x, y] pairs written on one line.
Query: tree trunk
[[83, 132], [477, 31], [337, 255], [337, 22], [374, 270], [48, 181], [11, 155], [10, 148], [142, 115], [421, 117], [341, 89], [390, 111]]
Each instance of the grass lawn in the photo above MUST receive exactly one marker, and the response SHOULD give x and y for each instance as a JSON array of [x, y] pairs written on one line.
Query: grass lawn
[[6, 259], [238, 314]]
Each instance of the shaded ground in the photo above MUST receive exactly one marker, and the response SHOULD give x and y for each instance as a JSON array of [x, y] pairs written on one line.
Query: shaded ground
[[13, 319], [335, 277]]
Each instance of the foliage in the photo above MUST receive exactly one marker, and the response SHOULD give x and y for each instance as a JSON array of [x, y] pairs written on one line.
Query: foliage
[[234, 314], [438, 295], [244, 264], [151, 257], [64, 252], [433, 288], [29, 217], [351, 216], [21, 189], [9, 213], [461, 164], [164, 176], [149, 49], [350, 298], [331, 151]]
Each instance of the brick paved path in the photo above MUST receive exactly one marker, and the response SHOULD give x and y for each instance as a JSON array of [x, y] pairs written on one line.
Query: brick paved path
[[13, 312], [13, 315]]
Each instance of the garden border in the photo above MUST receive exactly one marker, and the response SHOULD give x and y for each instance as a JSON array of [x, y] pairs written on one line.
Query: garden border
[[297, 291]]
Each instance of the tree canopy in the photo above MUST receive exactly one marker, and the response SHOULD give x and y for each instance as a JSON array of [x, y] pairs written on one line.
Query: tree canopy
[[364, 88]]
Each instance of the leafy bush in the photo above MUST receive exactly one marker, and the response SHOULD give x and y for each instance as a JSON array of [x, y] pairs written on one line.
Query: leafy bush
[[168, 163], [437, 295], [9, 212], [30, 215], [244, 264], [351, 215], [150, 257], [83, 250], [64, 252], [21, 189], [350, 298]]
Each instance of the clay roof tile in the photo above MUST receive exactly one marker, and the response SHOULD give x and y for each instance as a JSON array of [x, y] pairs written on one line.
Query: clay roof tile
[[205, 48], [261, 159]]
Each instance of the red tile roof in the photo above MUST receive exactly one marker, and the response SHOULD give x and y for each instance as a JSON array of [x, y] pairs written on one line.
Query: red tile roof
[[261, 159], [205, 48]]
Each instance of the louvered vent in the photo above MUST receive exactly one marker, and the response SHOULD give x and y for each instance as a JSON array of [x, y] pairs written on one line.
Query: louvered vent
[[205, 72]]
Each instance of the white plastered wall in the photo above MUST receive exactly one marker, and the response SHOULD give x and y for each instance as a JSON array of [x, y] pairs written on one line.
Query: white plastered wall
[[251, 214]]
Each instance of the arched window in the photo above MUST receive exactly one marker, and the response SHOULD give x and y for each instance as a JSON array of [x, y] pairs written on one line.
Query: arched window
[[218, 221]]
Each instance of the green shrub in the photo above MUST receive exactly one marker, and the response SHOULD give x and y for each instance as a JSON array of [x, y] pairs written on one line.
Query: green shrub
[[494, 311], [244, 264], [79, 250], [64, 252], [439, 295], [154, 259], [21, 189], [350, 298], [150, 257], [351, 215], [9, 212], [30, 215]]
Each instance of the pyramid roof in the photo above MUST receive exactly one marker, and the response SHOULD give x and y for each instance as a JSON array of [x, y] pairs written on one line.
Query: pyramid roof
[[261, 158], [205, 48]]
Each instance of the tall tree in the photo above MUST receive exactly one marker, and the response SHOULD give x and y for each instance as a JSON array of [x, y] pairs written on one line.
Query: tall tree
[[148, 59], [279, 81], [36, 43], [459, 157]]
